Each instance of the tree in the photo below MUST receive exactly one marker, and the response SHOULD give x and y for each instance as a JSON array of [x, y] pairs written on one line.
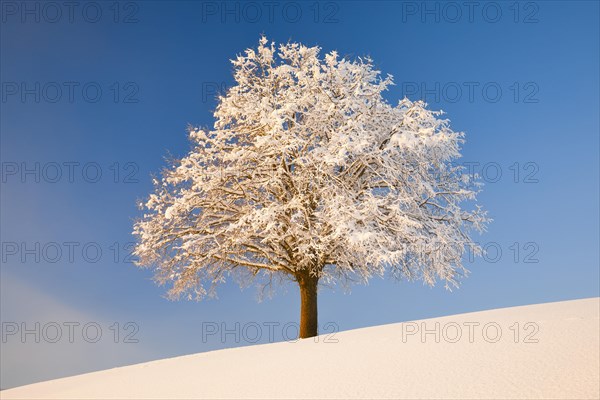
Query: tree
[[310, 175]]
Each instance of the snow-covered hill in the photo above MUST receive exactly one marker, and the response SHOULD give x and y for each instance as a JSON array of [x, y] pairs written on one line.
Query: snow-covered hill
[[539, 351]]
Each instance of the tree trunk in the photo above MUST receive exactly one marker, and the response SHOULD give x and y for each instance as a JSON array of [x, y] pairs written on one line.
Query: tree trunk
[[309, 325]]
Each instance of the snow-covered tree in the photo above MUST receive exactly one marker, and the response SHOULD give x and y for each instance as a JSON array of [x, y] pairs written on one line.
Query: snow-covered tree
[[310, 174]]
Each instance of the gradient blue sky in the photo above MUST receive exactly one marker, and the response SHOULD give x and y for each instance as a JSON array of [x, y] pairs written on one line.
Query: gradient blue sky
[[174, 51]]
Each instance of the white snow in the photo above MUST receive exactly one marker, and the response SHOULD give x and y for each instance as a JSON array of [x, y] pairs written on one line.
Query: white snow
[[310, 170], [378, 362]]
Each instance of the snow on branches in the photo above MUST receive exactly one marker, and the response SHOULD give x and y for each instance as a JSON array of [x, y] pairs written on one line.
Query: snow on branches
[[310, 171]]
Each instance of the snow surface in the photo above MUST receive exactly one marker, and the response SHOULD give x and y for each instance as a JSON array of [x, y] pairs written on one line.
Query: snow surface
[[378, 362]]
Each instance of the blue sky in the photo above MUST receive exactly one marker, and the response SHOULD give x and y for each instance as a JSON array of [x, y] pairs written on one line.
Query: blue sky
[[521, 79]]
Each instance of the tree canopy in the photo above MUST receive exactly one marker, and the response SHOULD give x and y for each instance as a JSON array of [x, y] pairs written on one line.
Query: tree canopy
[[309, 171]]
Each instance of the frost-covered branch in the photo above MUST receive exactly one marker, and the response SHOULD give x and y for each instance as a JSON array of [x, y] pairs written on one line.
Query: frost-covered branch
[[309, 171]]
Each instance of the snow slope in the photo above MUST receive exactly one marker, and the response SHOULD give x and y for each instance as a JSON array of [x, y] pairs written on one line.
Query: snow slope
[[556, 355]]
